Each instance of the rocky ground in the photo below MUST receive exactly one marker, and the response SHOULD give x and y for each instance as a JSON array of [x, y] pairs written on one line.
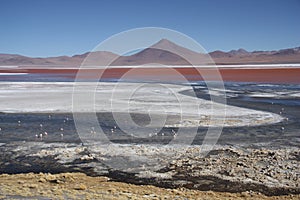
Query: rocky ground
[[239, 170], [80, 186], [272, 172]]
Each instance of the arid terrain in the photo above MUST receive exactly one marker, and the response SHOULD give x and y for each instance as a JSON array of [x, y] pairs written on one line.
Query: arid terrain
[[80, 186]]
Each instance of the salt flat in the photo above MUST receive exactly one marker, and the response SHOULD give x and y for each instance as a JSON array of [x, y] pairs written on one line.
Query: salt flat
[[151, 98]]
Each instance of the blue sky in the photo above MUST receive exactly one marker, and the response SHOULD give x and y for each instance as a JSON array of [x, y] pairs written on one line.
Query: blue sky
[[42, 28]]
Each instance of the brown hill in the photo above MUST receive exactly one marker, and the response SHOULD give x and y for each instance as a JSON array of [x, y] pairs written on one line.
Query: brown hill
[[163, 52], [95, 58], [257, 57]]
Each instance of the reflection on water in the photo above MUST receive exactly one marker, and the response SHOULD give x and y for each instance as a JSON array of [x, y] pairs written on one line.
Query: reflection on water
[[43, 77]]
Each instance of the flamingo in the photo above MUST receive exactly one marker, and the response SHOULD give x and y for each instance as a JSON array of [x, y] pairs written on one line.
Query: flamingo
[[62, 135]]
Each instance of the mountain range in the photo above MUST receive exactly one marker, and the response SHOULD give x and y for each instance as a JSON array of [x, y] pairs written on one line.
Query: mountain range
[[161, 52]]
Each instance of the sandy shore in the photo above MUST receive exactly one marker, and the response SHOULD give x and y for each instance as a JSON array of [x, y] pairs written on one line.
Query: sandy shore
[[80, 186]]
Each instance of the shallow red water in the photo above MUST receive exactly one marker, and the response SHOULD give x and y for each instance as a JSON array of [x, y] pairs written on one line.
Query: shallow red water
[[260, 75]]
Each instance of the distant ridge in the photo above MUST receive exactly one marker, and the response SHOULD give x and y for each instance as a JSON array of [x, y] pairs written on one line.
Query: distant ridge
[[161, 52]]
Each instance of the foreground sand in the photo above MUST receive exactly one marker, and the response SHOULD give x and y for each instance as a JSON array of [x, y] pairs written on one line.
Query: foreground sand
[[80, 186]]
